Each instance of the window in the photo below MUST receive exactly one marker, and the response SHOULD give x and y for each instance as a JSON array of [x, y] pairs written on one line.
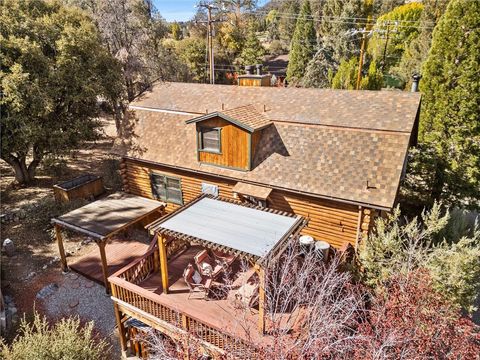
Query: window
[[166, 188], [210, 139]]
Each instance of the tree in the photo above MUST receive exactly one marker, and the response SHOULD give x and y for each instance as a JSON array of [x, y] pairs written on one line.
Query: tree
[[336, 39], [346, 76], [318, 73], [435, 242], [272, 21], [450, 121], [410, 320], [303, 45], [192, 52], [286, 25], [54, 69], [416, 52], [253, 51], [401, 24], [337, 24], [176, 30], [65, 340]]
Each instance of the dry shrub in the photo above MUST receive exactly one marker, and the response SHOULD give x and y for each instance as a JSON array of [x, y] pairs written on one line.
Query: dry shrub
[[65, 340]]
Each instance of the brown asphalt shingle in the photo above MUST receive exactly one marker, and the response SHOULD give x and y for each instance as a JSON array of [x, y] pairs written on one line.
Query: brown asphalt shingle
[[382, 110], [328, 143]]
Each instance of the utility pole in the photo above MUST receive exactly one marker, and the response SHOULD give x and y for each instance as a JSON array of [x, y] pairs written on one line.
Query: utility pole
[[368, 5], [210, 35]]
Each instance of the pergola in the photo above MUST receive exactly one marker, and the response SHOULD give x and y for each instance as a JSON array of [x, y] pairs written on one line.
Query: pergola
[[254, 233], [104, 218]]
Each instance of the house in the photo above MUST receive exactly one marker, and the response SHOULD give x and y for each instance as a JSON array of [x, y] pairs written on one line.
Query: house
[[240, 173]]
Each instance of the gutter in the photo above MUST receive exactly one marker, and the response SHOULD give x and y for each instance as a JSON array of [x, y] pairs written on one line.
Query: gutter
[[299, 192]]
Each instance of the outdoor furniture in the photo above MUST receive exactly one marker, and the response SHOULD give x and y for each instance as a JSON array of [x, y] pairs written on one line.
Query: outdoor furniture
[[246, 296], [207, 266], [226, 260], [197, 283]]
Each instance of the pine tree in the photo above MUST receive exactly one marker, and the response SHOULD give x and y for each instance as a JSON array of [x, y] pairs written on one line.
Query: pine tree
[[303, 45], [253, 51], [416, 52], [450, 122], [319, 73], [337, 35]]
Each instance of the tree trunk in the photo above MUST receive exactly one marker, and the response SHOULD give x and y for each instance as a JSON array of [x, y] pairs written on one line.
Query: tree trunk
[[24, 174], [438, 181]]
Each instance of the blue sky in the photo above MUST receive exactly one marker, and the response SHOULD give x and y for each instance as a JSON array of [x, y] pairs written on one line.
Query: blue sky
[[180, 10]]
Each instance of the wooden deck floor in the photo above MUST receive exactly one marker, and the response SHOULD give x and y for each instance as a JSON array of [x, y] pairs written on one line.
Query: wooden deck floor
[[119, 254], [220, 313]]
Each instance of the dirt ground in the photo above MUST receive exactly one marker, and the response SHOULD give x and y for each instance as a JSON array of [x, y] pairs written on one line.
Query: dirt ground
[[36, 261]]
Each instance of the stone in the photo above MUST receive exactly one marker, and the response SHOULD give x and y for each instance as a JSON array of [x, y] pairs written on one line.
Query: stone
[[44, 267], [89, 284], [8, 299], [73, 303], [9, 247], [47, 290]]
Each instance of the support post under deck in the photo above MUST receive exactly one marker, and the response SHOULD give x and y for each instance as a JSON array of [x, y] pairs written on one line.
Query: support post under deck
[[163, 262], [61, 249]]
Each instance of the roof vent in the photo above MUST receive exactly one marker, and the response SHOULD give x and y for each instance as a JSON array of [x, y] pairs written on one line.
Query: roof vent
[[416, 79], [249, 69], [259, 69]]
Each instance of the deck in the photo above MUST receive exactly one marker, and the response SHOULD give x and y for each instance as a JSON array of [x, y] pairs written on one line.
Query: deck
[[218, 320], [220, 314], [119, 254]]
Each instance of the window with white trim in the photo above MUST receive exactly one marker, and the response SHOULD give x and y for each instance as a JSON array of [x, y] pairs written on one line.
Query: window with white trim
[[166, 188]]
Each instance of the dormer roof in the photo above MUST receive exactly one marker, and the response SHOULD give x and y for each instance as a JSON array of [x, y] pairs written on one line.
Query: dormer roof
[[246, 117]]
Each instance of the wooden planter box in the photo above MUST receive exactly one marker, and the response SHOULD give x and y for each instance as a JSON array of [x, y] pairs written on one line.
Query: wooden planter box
[[82, 187]]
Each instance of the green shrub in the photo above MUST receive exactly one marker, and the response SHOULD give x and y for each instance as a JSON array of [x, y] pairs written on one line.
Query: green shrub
[[444, 245], [67, 339]]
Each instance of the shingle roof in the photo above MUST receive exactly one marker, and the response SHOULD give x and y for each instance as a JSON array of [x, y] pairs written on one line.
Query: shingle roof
[[348, 145], [381, 110], [246, 117]]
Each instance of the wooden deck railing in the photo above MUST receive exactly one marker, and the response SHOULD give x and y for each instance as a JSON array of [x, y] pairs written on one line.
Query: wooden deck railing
[[139, 269], [148, 302], [124, 286]]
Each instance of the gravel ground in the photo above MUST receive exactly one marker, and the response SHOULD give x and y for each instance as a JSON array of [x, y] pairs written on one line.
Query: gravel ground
[[77, 295]]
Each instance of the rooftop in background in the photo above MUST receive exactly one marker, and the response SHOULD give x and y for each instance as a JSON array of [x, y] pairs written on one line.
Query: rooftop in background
[[379, 110]]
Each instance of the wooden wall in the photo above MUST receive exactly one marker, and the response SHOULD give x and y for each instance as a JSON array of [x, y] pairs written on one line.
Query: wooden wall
[[254, 81], [334, 222], [234, 145]]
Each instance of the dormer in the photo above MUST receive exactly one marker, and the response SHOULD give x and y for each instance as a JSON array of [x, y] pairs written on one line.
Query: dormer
[[229, 138]]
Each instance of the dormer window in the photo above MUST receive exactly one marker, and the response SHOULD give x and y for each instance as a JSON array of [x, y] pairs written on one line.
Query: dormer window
[[229, 138], [210, 140]]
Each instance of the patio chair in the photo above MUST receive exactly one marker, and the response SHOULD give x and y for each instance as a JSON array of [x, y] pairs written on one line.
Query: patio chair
[[197, 284], [226, 260], [206, 266], [247, 296]]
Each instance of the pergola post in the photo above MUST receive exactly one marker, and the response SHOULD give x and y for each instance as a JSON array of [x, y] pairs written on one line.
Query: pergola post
[[61, 250], [101, 245], [261, 299], [163, 262]]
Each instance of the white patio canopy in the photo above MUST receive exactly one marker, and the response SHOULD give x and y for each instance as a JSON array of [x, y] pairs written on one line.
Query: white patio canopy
[[230, 225]]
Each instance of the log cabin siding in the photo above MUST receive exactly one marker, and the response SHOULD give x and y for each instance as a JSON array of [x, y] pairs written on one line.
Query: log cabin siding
[[334, 222], [234, 145]]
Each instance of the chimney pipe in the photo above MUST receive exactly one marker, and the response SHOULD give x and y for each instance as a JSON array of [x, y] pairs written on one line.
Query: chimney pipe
[[416, 79], [248, 69], [259, 69]]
